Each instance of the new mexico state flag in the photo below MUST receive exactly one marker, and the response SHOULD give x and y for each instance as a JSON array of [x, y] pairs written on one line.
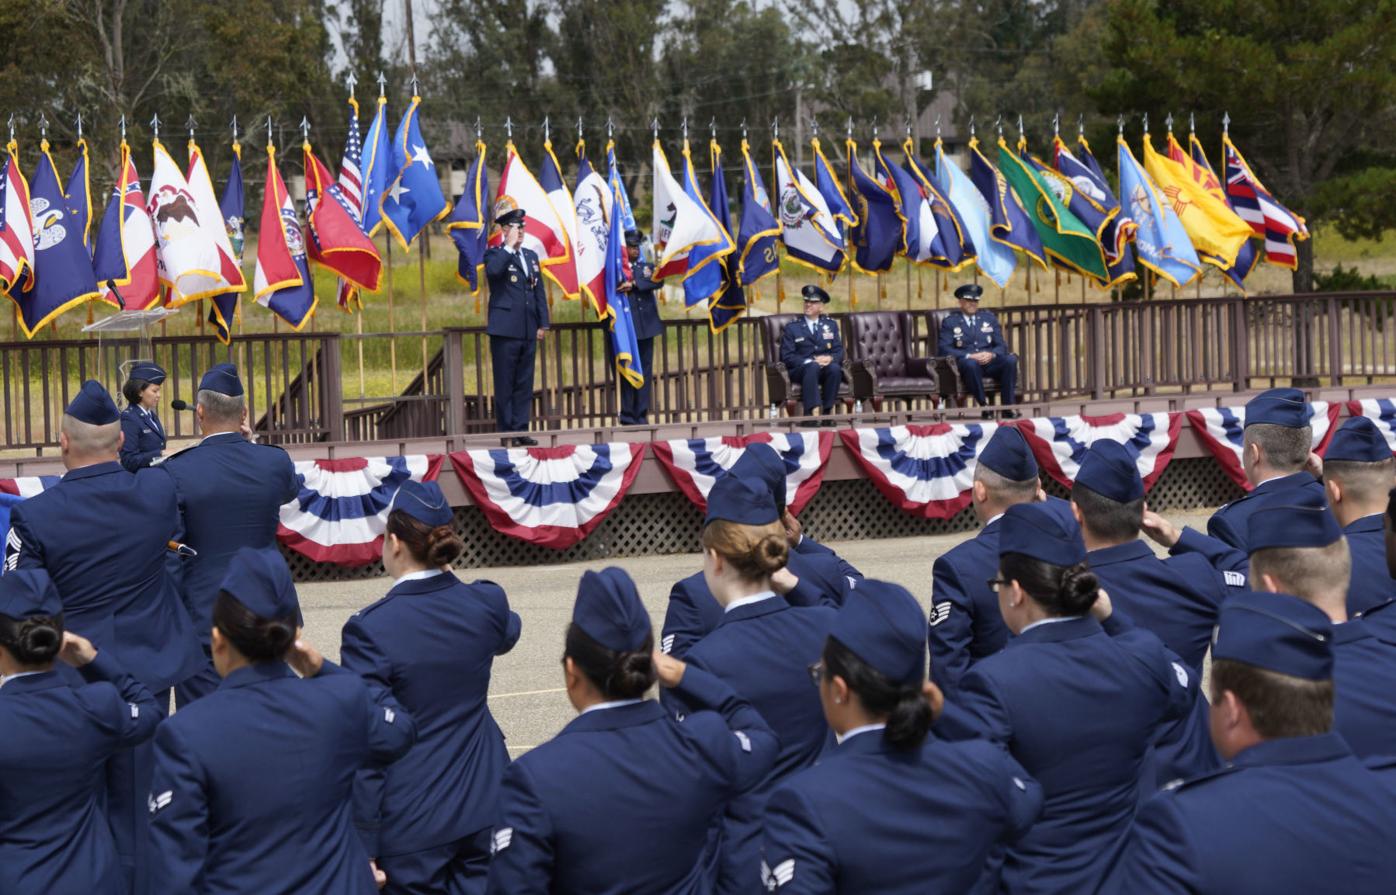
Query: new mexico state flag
[[1215, 230]]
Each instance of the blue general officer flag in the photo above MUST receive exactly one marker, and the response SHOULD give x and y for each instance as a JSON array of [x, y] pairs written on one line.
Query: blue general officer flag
[[414, 198], [730, 303], [1161, 242], [63, 276], [467, 222], [79, 194], [758, 230], [223, 308], [879, 233], [377, 159], [626, 347]]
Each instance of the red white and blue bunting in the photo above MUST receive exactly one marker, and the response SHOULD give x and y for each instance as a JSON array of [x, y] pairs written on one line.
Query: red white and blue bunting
[[924, 470], [1381, 411], [1220, 429], [552, 497], [342, 508], [695, 464], [1060, 442]]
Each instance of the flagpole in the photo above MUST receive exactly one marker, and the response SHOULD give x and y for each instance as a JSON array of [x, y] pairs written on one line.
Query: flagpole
[[392, 319], [780, 277]]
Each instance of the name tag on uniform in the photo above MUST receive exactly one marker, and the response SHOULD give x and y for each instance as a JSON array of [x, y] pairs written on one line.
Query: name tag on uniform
[[985, 328], [799, 338]]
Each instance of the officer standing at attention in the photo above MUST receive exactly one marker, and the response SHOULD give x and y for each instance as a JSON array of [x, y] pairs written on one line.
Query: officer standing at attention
[[142, 436], [1294, 810], [517, 322], [621, 801], [1357, 474], [230, 492], [886, 809], [253, 783], [431, 642], [54, 838], [812, 353], [102, 534], [644, 317], [1077, 697], [974, 338]]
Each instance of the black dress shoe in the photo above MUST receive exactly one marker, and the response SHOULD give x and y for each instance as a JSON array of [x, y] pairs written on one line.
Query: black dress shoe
[[525, 441], [1011, 414], [986, 414]]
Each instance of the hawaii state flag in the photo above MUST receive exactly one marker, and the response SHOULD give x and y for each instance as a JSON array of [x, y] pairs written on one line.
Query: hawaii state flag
[[63, 277], [336, 242], [593, 202], [543, 231], [1277, 225], [16, 224], [124, 261], [283, 281], [550, 178], [466, 225]]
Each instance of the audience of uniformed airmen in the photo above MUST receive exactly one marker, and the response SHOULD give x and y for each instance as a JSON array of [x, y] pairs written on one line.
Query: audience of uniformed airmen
[[1063, 742]]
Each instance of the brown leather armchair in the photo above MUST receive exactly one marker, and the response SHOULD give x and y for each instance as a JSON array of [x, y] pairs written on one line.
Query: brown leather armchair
[[949, 372], [780, 391], [880, 346]]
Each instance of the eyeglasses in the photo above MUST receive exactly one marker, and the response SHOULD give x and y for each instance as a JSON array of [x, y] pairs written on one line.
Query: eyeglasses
[[816, 673], [996, 583]]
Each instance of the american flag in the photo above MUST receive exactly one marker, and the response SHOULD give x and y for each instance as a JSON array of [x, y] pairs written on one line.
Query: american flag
[[16, 226], [351, 191], [1257, 207]]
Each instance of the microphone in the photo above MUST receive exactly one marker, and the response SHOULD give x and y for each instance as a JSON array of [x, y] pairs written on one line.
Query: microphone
[[120, 301], [178, 404]]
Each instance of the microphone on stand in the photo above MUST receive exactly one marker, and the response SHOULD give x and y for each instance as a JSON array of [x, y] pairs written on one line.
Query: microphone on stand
[[178, 404]]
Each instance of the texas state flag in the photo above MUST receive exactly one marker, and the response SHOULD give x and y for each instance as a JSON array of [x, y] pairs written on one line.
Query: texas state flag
[[283, 280]]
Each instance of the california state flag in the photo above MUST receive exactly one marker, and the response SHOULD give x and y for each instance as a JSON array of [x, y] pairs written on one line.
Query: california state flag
[[543, 229], [194, 256]]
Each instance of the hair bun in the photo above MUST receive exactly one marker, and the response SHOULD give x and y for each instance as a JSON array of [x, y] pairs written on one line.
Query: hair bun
[[1079, 591], [278, 635], [634, 673], [37, 641]]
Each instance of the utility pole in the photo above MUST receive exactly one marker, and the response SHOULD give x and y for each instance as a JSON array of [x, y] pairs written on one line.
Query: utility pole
[[800, 127]]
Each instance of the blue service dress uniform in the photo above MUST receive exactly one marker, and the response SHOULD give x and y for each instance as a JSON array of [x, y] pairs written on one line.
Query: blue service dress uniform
[[1364, 706], [763, 651], [870, 818], [644, 316], [431, 642], [800, 343], [253, 783], [143, 438], [1289, 815], [518, 308], [102, 534], [1077, 704], [964, 334], [621, 801], [54, 835], [230, 493], [1371, 583], [1230, 523]]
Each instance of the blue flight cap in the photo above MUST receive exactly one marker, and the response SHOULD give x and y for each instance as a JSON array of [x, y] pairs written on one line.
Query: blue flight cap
[[223, 379], [1008, 454], [29, 593], [609, 610], [1109, 470], [423, 501], [1358, 441], [1279, 407], [147, 372], [883, 625], [1276, 632], [93, 404], [735, 499], [1041, 531], [762, 462], [258, 578], [1306, 522]]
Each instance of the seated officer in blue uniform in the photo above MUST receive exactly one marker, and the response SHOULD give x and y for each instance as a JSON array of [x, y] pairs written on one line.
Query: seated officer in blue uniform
[[812, 353], [817, 575], [516, 323], [1300, 550], [102, 534], [142, 436], [644, 317], [891, 809], [1357, 474], [622, 799], [1077, 696], [431, 641], [54, 836], [974, 338], [965, 624], [253, 783], [1295, 810], [762, 649], [230, 492]]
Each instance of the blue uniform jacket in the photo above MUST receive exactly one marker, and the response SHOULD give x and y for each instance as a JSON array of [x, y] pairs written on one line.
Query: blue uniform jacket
[[621, 801], [1371, 583], [869, 818], [644, 306], [798, 344], [763, 651], [518, 305], [143, 438], [958, 338], [54, 837], [1290, 815], [1078, 707], [693, 612], [102, 535], [252, 789], [808, 546], [230, 495], [1231, 523], [431, 642], [1364, 706]]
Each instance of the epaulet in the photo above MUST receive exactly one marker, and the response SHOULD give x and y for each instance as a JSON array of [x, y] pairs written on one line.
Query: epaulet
[[381, 601], [1180, 784]]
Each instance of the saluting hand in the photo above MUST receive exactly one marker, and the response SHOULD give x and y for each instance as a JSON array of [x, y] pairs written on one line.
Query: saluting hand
[[77, 650], [793, 529], [1101, 608], [784, 581], [1314, 465], [1159, 529], [669, 669], [305, 659]]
